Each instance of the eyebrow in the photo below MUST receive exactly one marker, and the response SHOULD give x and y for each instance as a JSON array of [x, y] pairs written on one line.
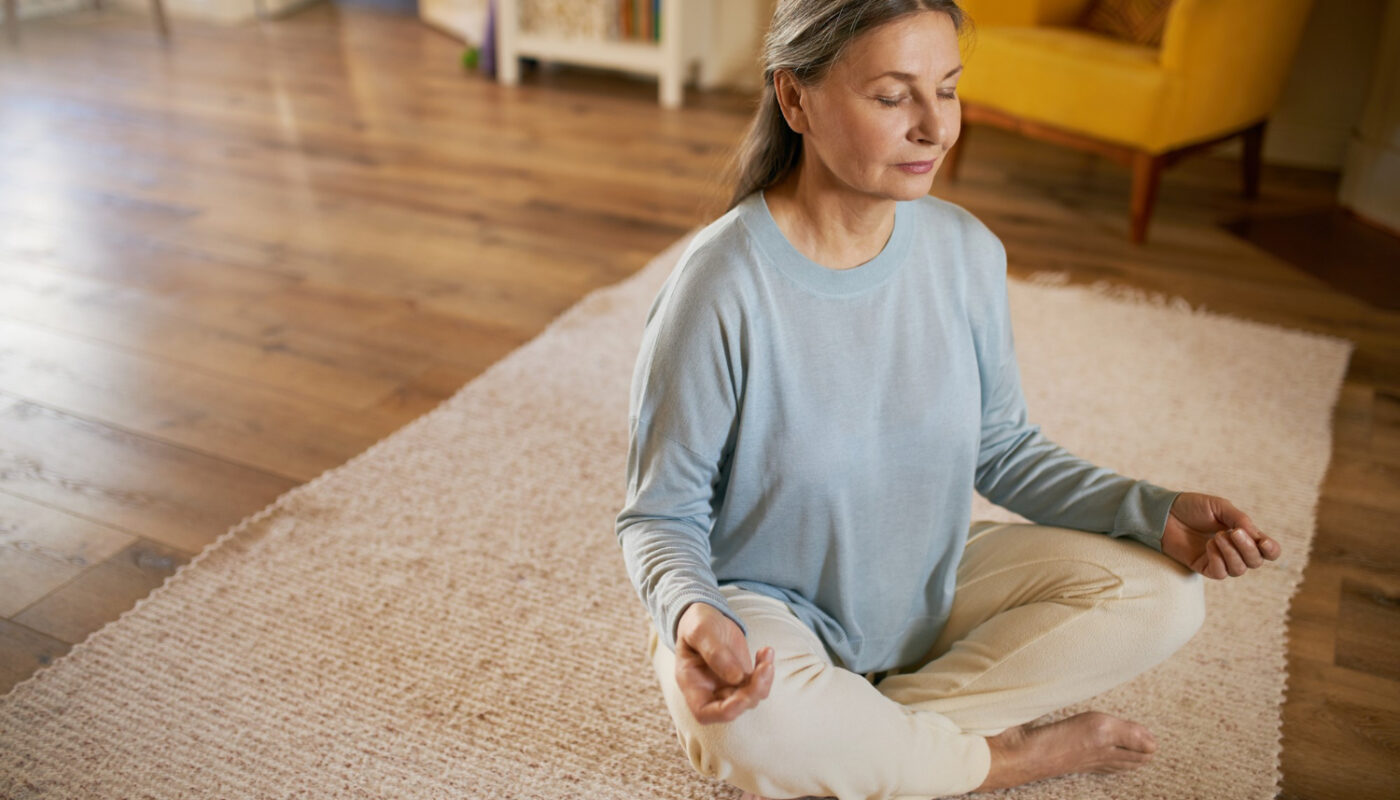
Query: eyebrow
[[905, 76]]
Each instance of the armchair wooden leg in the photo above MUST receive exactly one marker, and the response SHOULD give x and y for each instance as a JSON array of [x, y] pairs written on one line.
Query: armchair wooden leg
[[1147, 173], [1253, 157]]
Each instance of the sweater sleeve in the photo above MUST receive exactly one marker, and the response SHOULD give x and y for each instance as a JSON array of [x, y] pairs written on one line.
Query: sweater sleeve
[[1020, 469], [682, 414]]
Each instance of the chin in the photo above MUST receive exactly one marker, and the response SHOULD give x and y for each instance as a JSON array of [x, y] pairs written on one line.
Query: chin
[[914, 189]]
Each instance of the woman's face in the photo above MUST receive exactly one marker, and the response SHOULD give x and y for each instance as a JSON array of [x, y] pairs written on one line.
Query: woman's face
[[886, 113]]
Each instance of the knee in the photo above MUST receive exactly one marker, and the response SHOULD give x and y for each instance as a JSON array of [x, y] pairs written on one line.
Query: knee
[[744, 751], [1175, 605]]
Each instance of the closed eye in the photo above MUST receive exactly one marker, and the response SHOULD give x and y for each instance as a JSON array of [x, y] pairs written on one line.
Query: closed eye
[[891, 102]]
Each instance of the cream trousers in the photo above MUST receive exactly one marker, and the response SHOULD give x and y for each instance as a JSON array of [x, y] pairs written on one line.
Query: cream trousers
[[1042, 618]]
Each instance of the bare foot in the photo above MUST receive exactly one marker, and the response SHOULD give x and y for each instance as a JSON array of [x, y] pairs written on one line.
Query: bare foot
[[1087, 742]]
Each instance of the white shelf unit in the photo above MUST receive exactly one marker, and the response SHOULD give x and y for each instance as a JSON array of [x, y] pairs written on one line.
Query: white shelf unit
[[665, 59]]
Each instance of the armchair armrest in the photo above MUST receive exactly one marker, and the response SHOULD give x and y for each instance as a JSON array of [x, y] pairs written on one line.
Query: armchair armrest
[[1228, 51]]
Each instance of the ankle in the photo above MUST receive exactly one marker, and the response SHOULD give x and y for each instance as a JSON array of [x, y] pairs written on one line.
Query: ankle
[[1008, 758]]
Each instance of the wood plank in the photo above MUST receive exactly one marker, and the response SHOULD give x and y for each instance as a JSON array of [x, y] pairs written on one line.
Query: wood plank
[[132, 484], [24, 651], [103, 593], [1367, 606], [42, 548], [279, 433], [126, 319], [1339, 734], [428, 390]]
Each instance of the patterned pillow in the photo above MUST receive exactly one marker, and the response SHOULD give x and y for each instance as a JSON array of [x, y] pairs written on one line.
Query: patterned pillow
[[1138, 21]]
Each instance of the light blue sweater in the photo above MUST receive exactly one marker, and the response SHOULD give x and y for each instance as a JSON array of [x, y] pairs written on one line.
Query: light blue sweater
[[815, 435]]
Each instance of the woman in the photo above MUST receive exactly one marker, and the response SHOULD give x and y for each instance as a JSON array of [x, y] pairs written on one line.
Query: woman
[[824, 379]]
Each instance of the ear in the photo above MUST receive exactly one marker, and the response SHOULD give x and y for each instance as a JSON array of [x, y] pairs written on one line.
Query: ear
[[792, 98]]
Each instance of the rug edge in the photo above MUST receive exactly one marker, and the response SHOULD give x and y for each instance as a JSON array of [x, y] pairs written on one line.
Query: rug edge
[[1134, 295]]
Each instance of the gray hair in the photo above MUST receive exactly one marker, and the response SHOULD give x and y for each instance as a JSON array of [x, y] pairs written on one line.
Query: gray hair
[[808, 37]]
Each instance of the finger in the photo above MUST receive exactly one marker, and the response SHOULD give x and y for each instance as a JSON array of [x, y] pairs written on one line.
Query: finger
[[1215, 563], [747, 696], [1247, 548], [760, 681], [757, 681], [1234, 565], [1268, 546], [697, 699], [723, 660], [766, 671], [757, 685], [712, 702], [1231, 517], [736, 700]]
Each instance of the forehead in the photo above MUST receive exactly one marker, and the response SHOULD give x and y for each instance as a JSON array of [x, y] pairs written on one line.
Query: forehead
[[924, 43]]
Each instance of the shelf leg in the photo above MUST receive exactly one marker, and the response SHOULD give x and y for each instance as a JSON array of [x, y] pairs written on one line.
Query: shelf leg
[[507, 25], [672, 74]]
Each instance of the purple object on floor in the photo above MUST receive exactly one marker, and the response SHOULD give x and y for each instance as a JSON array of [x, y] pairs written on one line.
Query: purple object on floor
[[488, 42]]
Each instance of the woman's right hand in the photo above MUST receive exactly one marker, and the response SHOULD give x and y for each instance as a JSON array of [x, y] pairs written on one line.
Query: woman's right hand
[[713, 668]]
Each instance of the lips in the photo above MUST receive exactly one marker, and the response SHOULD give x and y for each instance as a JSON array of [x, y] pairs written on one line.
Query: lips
[[916, 167]]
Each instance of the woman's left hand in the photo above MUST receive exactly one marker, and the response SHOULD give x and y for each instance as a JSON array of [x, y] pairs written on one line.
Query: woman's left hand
[[1212, 537]]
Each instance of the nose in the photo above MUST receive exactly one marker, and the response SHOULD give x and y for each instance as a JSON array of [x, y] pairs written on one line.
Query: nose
[[931, 126]]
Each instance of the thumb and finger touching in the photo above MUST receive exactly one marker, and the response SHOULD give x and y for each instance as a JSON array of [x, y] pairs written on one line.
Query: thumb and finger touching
[[1233, 542], [716, 674]]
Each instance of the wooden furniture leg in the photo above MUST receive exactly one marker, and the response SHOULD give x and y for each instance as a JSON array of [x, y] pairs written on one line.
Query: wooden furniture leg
[[1253, 158], [1147, 174]]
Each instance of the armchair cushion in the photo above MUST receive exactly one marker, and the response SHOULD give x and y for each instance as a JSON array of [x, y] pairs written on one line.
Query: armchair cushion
[[1070, 78], [1137, 21]]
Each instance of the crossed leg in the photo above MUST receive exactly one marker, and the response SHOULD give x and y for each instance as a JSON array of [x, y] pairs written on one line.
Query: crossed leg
[[1042, 617]]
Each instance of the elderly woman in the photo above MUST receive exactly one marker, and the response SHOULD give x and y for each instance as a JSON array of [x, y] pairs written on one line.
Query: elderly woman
[[824, 379]]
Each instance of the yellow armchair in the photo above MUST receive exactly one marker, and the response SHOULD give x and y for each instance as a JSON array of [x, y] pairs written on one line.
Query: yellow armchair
[[1217, 75]]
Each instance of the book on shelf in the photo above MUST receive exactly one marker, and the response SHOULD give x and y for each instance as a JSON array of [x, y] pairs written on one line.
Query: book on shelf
[[624, 20]]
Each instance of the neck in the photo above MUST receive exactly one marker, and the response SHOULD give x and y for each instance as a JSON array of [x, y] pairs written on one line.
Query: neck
[[828, 222]]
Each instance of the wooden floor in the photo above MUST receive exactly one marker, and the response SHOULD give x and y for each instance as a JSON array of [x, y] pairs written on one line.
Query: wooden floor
[[234, 262]]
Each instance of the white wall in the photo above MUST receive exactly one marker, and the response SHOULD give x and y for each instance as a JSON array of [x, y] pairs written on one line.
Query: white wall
[[29, 9], [464, 19], [1326, 89], [1371, 174], [734, 43]]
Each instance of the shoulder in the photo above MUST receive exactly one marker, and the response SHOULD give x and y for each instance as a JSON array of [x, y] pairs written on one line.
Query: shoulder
[[961, 228], [977, 253], [717, 266]]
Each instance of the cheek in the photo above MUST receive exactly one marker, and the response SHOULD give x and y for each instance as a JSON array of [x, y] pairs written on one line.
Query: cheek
[[872, 137]]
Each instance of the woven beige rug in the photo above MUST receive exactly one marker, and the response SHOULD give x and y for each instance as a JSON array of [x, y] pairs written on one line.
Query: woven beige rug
[[447, 615]]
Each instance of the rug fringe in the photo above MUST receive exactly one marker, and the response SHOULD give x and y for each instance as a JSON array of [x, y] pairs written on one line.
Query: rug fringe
[[1133, 294], [1116, 291]]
